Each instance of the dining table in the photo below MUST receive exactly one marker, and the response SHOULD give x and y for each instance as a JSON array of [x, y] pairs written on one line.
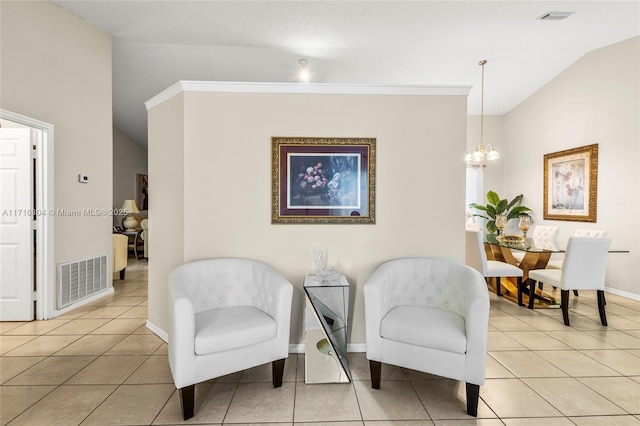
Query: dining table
[[537, 254]]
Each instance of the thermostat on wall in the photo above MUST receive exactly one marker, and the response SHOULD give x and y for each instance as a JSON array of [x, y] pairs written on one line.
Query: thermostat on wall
[[83, 179]]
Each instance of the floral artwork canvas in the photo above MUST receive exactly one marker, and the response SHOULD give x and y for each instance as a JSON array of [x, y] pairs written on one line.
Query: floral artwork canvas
[[570, 184], [324, 180], [567, 191]]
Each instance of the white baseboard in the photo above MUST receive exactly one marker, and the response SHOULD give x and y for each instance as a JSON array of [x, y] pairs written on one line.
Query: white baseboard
[[158, 331], [624, 294], [296, 349], [351, 348], [83, 302], [356, 347]]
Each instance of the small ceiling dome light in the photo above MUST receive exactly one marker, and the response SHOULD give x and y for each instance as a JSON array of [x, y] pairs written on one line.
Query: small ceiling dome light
[[482, 153], [304, 73]]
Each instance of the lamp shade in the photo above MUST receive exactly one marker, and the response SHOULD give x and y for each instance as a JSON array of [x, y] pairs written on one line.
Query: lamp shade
[[129, 206]]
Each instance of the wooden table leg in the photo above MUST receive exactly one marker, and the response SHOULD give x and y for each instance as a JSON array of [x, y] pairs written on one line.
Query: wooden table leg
[[531, 260]]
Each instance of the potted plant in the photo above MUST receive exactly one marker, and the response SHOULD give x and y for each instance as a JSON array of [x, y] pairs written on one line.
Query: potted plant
[[501, 209]]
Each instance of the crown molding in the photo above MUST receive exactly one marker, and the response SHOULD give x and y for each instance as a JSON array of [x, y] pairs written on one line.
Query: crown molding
[[303, 88]]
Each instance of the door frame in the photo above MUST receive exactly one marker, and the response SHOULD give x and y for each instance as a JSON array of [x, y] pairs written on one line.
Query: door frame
[[45, 265]]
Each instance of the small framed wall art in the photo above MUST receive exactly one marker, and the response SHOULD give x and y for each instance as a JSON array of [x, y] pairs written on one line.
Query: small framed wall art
[[323, 180]]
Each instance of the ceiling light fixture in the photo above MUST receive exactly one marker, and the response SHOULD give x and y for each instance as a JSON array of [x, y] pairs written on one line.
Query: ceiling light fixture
[[304, 73], [481, 152]]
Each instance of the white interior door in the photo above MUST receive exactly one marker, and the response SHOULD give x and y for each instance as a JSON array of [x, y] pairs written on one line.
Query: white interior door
[[16, 237]]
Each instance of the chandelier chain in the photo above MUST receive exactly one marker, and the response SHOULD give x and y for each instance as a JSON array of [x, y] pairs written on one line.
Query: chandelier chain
[[482, 153], [482, 62]]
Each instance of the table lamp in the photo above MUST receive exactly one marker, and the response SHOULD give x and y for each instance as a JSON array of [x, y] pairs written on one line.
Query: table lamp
[[130, 222]]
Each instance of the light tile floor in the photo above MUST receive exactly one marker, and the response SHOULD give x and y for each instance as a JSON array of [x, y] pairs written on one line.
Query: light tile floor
[[100, 365]]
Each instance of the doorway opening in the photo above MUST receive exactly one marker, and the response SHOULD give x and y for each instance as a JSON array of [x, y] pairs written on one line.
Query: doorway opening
[[41, 213]]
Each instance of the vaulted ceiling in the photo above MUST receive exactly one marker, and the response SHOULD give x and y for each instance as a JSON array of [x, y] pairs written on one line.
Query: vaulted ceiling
[[157, 43]]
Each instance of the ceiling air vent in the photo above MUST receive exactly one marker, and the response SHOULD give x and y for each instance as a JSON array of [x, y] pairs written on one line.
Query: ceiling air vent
[[555, 16]]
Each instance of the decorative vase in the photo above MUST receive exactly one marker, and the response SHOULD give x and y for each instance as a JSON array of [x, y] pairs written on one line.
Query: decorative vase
[[318, 258], [501, 222], [525, 224]]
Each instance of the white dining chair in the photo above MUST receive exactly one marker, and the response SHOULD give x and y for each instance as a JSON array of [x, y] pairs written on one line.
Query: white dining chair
[[584, 268], [557, 264], [477, 259], [541, 234]]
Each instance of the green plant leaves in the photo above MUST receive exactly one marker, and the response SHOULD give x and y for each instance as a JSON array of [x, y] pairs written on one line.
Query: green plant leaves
[[496, 206], [517, 211], [516, 201], [493, 198]]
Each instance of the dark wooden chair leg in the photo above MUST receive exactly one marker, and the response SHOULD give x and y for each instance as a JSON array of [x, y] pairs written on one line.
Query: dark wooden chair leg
[[188, 401], [498, 288], [601, 303], [376, 373], [564, 305], [575, 292], [473, 394], [122, 273], [277, 371], [520, 291], [532, 293]]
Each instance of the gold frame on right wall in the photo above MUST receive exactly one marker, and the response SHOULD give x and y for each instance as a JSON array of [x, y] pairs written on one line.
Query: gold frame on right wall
[[571, 184]]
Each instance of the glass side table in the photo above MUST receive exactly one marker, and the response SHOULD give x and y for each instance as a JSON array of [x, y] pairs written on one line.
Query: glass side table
[[326, 315]]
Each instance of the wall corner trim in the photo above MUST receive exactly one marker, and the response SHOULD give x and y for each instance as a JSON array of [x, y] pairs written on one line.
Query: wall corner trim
[[158, 331], [303, 88]]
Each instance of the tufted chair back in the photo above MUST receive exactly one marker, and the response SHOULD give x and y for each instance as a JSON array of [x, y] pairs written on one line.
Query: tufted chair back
[[431, 283], [224, 282], [545, 233], [590, 233]]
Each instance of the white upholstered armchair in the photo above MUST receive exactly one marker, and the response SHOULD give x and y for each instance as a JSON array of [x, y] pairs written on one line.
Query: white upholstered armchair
[[429, 315], [227, 315]]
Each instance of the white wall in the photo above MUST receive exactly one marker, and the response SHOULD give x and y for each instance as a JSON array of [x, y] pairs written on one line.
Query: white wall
[[56, 68], [129, 159], [226, 147], [595, 100]]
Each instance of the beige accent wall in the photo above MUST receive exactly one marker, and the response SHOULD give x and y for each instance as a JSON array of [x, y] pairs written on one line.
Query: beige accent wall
[[167, 213], [222, 188], [595, 100], [129, 160], [56, 68]]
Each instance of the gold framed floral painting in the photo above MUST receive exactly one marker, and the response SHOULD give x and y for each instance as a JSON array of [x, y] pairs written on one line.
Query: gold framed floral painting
[[571, 184], [323, 180]]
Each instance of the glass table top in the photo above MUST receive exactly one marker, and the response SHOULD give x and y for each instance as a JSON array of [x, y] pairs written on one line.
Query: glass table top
[[525, 244], [534, 245]]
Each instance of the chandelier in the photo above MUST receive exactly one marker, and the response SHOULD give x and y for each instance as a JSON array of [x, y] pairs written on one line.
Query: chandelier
[[482, 153]]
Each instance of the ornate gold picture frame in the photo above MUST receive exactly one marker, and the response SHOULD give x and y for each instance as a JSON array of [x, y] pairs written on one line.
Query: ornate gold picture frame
[[323, 180], [571, 184]]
